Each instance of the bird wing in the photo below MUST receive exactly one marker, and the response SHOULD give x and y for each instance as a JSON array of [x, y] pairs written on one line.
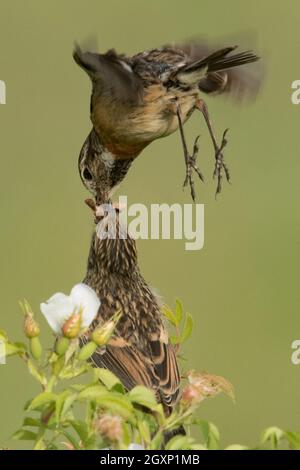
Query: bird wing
[[220, 72], [166, 369], [158, 371], [111, 74]]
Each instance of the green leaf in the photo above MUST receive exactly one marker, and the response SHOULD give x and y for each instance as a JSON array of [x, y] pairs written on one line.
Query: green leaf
[[48, 414], [42, 399], [109, 380], [293, 439], [68, 403], [71, 439], [114, 401], [118, 404], [59, 403], [24, 435], [143, 396], [188, 327], [70, 372], [169, 314], [197, 447], [144, 431], [92, 392], [210, 433], [213, 442], [78, 387], [127, 435], [159, 414], [178, 311], [186, 332], [31, 422], [81, 429], [157, 441], [90, 412], [90, 443], [180, 443]]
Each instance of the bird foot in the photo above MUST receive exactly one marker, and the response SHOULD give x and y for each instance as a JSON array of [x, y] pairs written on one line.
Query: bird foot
[[190, 167], [220, 165]]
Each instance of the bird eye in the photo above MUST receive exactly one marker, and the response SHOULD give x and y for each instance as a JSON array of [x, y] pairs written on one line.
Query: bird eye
[[87, 174]]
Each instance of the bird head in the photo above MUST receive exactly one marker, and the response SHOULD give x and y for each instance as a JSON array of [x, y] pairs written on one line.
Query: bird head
[[99, 169]]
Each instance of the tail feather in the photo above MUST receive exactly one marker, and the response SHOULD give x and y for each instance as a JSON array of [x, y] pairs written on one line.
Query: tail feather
[[235, 60], [218, 61], [210, 59]]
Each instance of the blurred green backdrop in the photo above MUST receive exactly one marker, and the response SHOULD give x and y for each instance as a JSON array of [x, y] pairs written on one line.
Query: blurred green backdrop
[[243, 287]]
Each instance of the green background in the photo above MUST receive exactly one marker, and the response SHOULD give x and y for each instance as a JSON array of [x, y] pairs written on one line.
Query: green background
[[243, 287]]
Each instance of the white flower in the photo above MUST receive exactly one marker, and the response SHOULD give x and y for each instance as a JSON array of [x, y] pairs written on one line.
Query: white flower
[[60, 307]]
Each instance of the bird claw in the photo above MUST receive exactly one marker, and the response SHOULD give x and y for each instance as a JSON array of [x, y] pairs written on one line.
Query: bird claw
[[220, 164], [190, 166]]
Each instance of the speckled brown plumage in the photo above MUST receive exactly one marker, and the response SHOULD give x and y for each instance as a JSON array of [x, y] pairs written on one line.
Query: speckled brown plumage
[[139, 353]]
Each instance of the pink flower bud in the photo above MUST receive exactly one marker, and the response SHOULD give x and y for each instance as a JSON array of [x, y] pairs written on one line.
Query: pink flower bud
[[31, 328], [191, 394], [110, 427], [71, 328]]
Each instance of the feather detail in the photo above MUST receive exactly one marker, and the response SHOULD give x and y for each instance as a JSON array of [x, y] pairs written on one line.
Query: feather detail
[[111, 74]]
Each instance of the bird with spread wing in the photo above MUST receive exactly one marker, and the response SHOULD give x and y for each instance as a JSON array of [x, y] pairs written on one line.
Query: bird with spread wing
[[136, 100]]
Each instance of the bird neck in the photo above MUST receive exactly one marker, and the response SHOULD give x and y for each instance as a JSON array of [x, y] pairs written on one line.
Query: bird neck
[[112, 251], [115, 162]]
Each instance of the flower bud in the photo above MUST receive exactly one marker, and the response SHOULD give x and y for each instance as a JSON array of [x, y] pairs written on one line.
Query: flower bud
[[110, 427], [87, 350], [31, 328], [102, 334], [62, 345], [210, 385], [191, 394], [71, 328], [35, 347]]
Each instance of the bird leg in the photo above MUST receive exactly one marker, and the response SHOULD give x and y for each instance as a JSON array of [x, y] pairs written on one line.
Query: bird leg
[[220, 164], [190, 160]]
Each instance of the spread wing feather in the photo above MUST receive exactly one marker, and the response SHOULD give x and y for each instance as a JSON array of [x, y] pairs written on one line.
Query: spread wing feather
[[112, 74], [224, 72]]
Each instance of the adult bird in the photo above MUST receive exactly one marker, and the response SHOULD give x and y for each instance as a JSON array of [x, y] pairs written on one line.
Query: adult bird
[[136, 100]]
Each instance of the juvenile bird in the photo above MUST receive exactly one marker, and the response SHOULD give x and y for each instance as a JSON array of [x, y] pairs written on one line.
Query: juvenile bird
[[136, 100], [139, 353]]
